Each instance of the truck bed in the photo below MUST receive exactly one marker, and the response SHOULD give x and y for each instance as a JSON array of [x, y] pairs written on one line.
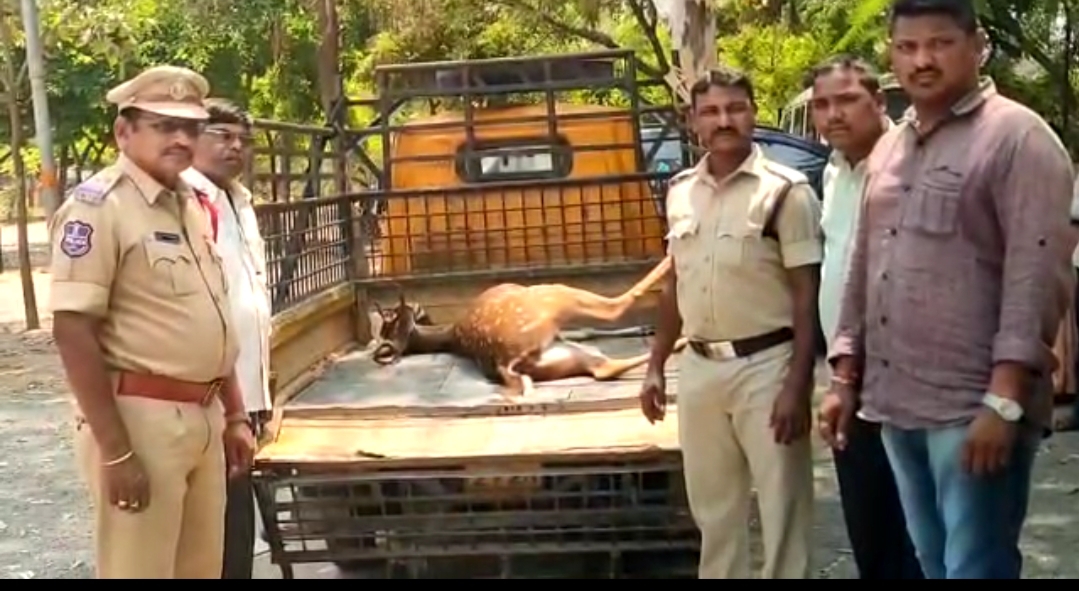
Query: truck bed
[[420, 385], [438, 409]]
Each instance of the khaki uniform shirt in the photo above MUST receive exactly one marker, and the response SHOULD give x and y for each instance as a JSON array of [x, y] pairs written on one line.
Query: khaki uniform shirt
[[732, 282], [141, 258]]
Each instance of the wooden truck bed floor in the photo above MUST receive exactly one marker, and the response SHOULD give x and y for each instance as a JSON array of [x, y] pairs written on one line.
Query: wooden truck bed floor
[[439, 408]]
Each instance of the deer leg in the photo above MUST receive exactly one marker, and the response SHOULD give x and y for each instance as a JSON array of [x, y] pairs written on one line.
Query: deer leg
[[517, 383], [609, 369], [581, 303], [570, 360]]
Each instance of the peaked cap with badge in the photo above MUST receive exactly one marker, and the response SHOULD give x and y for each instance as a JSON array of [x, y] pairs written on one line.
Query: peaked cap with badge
[[166, 90]]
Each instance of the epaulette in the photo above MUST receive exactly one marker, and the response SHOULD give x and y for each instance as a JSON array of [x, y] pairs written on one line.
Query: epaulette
[[682, 175], [786, 173], [95, 189]]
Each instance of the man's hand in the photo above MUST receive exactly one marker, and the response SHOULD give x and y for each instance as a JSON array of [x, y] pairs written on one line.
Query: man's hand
[[127, 485], [654, 395], [989, 445], [239, 448], [790, 415], [835, 415]]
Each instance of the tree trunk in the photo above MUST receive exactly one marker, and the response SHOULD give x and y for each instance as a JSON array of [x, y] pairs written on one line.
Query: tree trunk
[[26, 271], [693, 37], [329, 83]]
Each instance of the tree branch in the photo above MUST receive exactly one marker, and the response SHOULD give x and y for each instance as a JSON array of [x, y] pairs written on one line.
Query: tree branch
[[587, 34], [647, 19], [997, 19]]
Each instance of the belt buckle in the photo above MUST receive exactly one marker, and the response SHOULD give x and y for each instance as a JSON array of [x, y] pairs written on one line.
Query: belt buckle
[[723, 349], [212, 391]]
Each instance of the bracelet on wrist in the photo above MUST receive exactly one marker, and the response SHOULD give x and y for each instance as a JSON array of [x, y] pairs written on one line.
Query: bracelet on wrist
[[844, 381], [120, 460], [236, 418]]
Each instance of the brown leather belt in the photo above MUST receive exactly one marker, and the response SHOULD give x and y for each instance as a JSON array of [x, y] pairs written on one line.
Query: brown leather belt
[[742, 347], [168, 389]]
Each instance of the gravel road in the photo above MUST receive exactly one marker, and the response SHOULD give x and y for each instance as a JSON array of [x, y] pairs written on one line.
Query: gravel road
[[44, 513]]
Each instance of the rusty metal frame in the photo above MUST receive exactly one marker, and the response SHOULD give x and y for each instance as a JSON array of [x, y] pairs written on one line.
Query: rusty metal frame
[[295, 269], [393, 95]]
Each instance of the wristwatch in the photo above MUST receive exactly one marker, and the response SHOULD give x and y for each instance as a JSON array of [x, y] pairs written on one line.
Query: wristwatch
[[1006, 408]]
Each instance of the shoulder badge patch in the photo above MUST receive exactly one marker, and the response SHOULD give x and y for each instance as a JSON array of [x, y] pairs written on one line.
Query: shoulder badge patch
[[75, 241], [94, 189]]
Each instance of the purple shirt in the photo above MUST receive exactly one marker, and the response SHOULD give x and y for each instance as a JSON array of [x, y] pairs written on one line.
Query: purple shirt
[[962, 259]]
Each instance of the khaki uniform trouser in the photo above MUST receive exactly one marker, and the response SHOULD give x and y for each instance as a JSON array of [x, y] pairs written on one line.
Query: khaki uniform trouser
[[728, 448], [181, 534]]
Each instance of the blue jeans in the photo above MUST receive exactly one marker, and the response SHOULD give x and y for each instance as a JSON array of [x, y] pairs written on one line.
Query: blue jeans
[[962, 526]]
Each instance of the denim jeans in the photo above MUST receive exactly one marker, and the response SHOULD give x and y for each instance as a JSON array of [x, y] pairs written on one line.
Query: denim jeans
[[963, 526]]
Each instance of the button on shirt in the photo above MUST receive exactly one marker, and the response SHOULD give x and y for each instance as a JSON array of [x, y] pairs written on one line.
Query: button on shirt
[[141, 258], [732, 281], [961, 261], [243, 253]]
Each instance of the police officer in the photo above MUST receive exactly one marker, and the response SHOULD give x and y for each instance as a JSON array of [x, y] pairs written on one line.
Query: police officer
[[744, 235], [142, 326]]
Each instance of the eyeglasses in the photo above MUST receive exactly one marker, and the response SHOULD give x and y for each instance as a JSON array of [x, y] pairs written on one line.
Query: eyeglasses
[[229, 136], [170, 126]]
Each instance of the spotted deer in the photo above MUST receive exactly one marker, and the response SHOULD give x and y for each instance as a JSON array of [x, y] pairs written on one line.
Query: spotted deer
[[513, 333]]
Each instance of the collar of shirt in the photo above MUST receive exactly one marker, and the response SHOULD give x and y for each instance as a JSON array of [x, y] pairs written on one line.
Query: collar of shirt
[[748, 166], [202, 183]]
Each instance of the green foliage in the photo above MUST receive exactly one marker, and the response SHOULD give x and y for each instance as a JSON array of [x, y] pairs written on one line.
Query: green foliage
[[265, 53]]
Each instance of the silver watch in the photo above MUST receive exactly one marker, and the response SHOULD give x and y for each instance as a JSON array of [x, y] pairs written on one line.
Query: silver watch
[[1006, 408]]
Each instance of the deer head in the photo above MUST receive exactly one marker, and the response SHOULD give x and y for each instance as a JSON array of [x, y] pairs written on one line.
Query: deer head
[[398, 327]]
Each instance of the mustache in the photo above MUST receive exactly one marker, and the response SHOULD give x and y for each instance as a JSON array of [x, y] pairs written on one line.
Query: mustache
[[724, 131], [178, 151], [925, 71]]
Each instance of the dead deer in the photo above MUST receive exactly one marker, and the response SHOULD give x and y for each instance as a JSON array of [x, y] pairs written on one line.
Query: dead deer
[[512, 333]]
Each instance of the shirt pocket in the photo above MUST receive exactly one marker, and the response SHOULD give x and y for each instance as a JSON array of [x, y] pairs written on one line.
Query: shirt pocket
[[933, 206], [734, 245], [174, 266], [684, 241]]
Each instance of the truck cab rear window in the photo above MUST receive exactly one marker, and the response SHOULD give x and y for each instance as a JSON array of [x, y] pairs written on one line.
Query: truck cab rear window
[[514, 160]]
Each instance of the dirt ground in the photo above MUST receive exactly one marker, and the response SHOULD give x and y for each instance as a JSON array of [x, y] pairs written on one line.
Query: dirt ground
[[44, 512]]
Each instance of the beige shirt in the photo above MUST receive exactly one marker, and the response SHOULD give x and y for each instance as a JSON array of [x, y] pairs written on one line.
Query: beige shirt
[[244, 255], [732, 281], [962, 260], [142, 258]]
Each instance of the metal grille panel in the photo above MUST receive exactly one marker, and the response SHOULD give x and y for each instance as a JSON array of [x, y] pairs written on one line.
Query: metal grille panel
[[307, 247], [614, 519], [517, 227]]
